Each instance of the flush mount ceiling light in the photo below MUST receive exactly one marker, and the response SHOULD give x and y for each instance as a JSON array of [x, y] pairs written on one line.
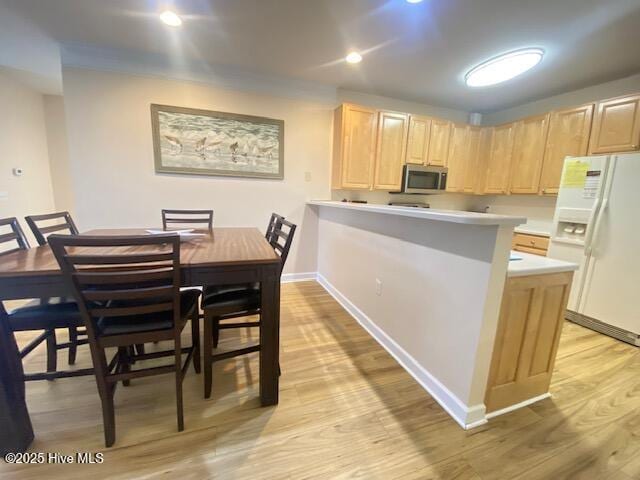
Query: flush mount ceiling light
[[170, 18], [414, 1], [353, 57], [503, 67]]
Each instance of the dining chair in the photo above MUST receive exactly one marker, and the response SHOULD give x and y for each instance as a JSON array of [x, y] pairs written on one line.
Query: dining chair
[[128, 292], [40, 231], [44, 317], [187, 217], [41, 227], [272, 222], [224, 302]]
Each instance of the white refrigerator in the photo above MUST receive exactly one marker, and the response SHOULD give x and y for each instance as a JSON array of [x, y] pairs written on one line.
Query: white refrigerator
[[597, 225]]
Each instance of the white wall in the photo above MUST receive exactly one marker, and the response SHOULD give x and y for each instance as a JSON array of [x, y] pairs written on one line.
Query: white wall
[[615, 88], [23, 140], [112, 167], [63, 192]]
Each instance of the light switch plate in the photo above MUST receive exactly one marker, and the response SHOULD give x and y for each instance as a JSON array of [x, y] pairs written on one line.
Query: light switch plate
[[4, 195]]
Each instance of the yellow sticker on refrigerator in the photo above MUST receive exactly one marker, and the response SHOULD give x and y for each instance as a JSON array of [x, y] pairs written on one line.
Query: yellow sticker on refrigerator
[[575, 174]]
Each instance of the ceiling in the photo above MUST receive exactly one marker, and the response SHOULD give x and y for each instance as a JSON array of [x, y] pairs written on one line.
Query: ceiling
[[416, 52]]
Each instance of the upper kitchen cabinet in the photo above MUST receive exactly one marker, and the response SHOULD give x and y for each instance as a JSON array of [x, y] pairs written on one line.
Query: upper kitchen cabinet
[[391, 150], [568, 135], [439, 142], [458, 160], [616, 126], [499, 160], [475, 157], [528, 153], [418, 141], [354, 147]]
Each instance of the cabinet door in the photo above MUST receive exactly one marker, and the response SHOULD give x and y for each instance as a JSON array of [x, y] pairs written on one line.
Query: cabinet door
[[439, 142], [359, 146], [418, 141], [529, 327], [528, 153], [616, 127], [568, 135], [469, 181], [391, 149], [458, 159], [499, 162]]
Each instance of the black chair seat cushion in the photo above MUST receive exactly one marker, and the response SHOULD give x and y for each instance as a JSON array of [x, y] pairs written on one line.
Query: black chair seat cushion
[[240, 298], [150, 321], [43, 317]]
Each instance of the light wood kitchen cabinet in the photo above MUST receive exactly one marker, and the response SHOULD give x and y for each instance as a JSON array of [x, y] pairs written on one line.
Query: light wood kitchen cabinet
[[458, 160], [568, 135], [391, 150], [528, 154], [529, 327], [439, 142], [499, 160], [472, 169], [354, 147], [525, 242], [616, 126], [418, 140]]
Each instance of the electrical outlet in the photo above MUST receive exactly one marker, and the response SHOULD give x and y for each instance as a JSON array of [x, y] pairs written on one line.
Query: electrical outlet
[[378, 287]]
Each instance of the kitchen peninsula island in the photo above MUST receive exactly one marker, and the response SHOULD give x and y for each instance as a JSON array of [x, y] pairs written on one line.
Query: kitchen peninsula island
[[428, 285]]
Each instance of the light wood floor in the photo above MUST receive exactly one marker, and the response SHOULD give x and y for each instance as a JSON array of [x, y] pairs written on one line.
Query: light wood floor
[[346, 410]]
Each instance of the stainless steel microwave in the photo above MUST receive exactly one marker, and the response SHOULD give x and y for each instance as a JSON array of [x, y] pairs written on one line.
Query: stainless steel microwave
[[419, 179]]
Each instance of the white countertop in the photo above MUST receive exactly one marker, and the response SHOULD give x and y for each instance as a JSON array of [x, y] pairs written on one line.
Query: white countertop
[[535, 227], [455, 216], [536, 265]]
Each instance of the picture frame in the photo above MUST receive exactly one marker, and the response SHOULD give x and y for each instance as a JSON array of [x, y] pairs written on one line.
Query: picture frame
[[204, 142]]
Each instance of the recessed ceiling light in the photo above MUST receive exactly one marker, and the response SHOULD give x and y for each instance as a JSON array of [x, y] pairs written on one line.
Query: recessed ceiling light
[[354, 57], [504, 67], [171, 18]]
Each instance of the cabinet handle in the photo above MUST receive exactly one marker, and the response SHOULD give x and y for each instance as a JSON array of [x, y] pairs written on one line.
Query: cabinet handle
[[634, 146], [533, 242]]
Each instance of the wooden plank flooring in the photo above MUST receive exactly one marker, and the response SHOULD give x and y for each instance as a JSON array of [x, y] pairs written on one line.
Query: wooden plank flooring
[[347, 410]]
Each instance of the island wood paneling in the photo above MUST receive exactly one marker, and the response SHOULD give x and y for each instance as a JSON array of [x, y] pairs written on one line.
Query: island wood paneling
[[531, 319]]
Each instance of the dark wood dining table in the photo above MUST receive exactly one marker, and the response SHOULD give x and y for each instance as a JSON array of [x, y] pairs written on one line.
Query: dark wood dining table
[[223, 256]]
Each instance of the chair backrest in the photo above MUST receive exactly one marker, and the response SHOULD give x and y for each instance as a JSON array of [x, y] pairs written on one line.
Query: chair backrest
[[15, 234], [187, 217], [11, 241], [282, 237], [272, 222], [41, 231], [117, 276]]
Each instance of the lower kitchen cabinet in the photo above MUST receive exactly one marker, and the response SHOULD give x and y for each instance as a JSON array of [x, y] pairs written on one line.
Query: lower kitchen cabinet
[[536, 244], [529, 327]]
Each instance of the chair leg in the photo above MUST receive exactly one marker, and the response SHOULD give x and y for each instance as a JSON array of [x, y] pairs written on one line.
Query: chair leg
[[215, 325], [140, 348], [106, 392], [52, 352], [207, 347], [178, 361], [195, 340], [73, 347], [124, 363]]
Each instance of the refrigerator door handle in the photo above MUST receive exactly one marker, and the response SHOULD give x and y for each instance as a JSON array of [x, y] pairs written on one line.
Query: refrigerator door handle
[[591, 225], [593, 238]]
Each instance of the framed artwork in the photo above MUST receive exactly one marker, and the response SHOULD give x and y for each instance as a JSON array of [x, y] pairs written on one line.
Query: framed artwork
[[203, 142]]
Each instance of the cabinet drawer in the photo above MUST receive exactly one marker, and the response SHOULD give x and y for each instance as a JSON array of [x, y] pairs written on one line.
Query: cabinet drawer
[[523, 240]]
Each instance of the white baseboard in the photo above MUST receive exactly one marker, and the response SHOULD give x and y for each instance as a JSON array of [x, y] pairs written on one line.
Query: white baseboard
[[298, 277], [467, 416], [522, 404]]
